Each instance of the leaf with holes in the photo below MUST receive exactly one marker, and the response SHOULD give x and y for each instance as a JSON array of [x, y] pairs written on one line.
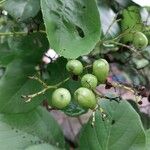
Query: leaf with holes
[[121, 129], [72, 28], [24, 131], [22, 9]]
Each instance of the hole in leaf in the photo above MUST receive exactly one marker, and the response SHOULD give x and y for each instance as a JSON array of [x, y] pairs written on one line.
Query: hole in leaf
[[113, 122], [75, 77], [148, 98], [31, 141], [2, 71], [80, 31], [83, 7], [35, 142], [16, 131]]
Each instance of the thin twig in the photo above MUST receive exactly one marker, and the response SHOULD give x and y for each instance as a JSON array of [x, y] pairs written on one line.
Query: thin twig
[[28, 98], [39, 80], [18, 33], [60, 83], [130, 48]]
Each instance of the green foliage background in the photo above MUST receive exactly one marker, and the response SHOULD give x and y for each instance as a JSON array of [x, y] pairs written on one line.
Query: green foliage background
[[73, 28]]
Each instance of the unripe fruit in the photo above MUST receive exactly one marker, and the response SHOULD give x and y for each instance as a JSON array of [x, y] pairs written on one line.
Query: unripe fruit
[[89, 81], [75, 67], [85, 98], [61, 98], [101, 70], [139, 40]]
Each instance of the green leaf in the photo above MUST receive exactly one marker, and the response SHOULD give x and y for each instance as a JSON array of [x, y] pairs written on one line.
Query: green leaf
[[73, 109], [14, 83], [131, 22], [121, 129], [27, 52], [22, 9], [147, 139], [6, 56], [20, 131], [57, 73], [30, 48], [73, 27], [145, 118], [42, 147]]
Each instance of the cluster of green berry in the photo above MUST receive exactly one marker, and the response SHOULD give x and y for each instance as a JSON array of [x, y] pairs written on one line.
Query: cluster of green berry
[[85, 95]]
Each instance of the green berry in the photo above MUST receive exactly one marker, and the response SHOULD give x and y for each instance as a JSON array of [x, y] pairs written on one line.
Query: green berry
[[89, 81], [101, 70], [85, 98], [61, 98], [75, 67], [139, 40]]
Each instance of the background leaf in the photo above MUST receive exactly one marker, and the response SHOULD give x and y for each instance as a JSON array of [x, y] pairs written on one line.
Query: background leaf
[[27, 53], [15, 83], [6, 56], [131, 22], [22, 9], [30, 48], [147, 139], [121, 129], [145, 118], [72, 28], [20, 131]]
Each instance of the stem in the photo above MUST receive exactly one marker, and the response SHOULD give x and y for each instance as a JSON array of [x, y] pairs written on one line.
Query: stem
[[88, 66], [130, 48], [114, 20], [124, 33], [60, 83], [120, 86], [117, 85], [39, 80], [18, 33], [30, 97], [93, 116]]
